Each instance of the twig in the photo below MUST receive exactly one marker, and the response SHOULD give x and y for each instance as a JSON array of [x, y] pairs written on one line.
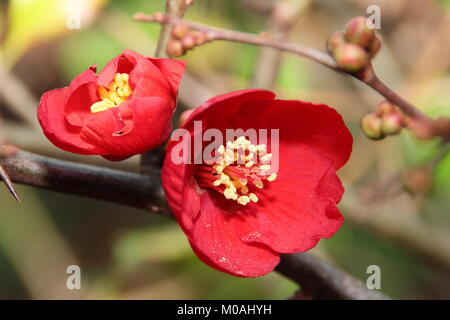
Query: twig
[[132, 189], [144, 191], [321, 281], [213, 33], [283, 16], [18, 97], [427, 126], [175, 8]]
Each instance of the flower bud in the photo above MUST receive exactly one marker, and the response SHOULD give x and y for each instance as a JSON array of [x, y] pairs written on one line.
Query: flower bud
[[200, 38], [385, 107], [351, 57], [189, 41], [175, 48], [392, 123], [359, 33], [336, 39], [184, 116], [179, 31], [371, 126], [375, 46]]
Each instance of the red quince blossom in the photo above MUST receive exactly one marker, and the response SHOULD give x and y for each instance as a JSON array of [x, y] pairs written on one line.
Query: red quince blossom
[[239, 221], [124, 110]]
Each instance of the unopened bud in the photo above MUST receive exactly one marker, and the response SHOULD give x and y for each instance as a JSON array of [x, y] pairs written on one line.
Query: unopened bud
[[200, 38], [392, 123], [371, 126], [159, 17], [385, 107], [359, 33], [351, 57], [184, 116], [175, 48], [335, 40], [179, 31], [188, 41], [375, 46]]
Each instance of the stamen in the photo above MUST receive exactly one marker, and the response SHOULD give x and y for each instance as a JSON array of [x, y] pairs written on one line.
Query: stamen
[[236, 172], [253, 197], [117, 92]]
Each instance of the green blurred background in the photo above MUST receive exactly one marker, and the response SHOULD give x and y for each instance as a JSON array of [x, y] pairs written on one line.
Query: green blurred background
[[397, 200]]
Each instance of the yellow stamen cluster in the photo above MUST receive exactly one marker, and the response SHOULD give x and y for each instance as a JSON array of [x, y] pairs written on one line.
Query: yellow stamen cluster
[[118, 91], [237, 188]]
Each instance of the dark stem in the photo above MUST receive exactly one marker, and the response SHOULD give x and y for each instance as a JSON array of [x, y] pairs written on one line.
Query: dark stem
[[321, 281], [126, 188], [175, 8], [144, 191]]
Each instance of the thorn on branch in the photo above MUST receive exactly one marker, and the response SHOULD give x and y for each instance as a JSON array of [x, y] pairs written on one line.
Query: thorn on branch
[[5, 178]]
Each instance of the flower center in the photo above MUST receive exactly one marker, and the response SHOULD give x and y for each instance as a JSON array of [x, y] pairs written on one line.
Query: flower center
[[236, 173], [117, 92]]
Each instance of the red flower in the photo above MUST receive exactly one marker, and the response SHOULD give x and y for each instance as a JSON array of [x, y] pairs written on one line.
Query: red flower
[[240, 217], [123, 111]]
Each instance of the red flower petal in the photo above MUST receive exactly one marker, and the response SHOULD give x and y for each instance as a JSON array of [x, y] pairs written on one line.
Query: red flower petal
[[294, 211], [215, 240], [119, 64], [84, 77], [51, 117], [148, 77], [297, 209], [78, 105], [104, 129], [173, 71]]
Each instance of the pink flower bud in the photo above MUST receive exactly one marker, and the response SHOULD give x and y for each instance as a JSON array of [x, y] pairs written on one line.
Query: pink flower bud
[[392, 123], [189, 41], [375, 46], [371, 126], [179, 31], [335, 40], [351, 57], [175, 48], [385, 107], [359, 33]]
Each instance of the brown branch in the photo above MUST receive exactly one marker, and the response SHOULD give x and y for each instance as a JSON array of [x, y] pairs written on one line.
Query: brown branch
[[284, 15], [425, 126], [126, 188], [18, 97], [213, 33], [320, 280], [144, 191], [175, 8], [5, 178]]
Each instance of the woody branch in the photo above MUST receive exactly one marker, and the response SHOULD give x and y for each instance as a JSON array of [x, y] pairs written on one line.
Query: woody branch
[[317, 278], [421, 124]]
